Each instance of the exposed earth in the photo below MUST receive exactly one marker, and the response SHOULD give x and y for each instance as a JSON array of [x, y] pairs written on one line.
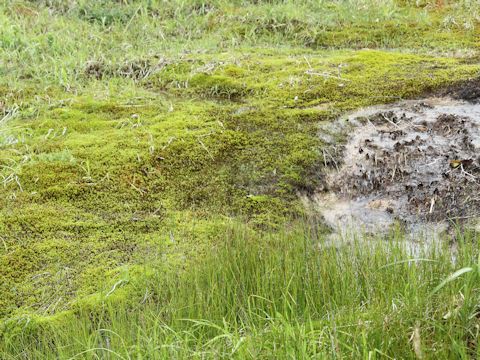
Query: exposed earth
[[415, 162]]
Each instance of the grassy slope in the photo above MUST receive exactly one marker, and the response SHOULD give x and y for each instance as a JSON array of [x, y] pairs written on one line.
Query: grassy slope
[[134, 134]]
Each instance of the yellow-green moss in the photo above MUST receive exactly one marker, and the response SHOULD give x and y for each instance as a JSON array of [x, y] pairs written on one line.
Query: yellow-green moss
[[95, 184]]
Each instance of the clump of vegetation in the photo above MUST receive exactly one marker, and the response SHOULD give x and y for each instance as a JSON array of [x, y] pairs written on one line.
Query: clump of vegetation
[[287, 294], [81, 169]]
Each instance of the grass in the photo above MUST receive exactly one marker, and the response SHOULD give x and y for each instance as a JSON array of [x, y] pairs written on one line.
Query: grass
[[76, 37], [134, 133], [282, 295]]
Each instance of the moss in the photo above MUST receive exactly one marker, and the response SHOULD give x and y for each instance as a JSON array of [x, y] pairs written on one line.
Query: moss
[[99, 184], [215, 86]]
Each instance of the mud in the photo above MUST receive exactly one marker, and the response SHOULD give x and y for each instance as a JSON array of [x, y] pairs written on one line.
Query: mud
[[415, 162], [466, 90]]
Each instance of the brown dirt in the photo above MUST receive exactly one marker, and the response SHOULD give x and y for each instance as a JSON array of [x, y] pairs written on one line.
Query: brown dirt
[[467, 90]]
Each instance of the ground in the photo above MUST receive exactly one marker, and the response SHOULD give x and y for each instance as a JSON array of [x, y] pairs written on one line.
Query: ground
[[135, 135]]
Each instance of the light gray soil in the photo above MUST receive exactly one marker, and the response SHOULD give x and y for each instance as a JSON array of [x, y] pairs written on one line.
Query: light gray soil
[[417, 162]]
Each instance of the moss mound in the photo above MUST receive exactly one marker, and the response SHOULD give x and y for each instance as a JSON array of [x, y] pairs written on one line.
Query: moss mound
[[105, 180]]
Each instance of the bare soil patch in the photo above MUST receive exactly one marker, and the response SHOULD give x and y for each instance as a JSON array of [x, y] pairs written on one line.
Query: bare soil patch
[[415, 161]]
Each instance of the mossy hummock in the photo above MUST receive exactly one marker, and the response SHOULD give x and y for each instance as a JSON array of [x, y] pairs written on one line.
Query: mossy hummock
[[102, 181]]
